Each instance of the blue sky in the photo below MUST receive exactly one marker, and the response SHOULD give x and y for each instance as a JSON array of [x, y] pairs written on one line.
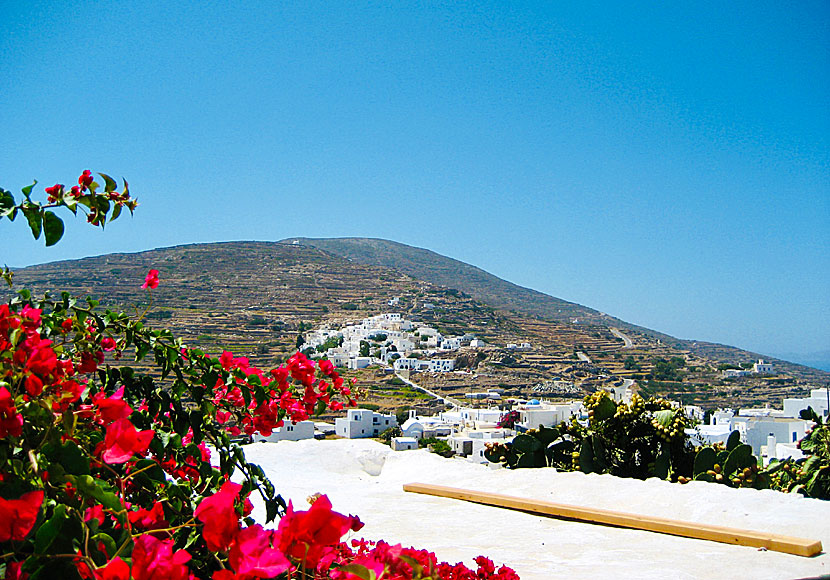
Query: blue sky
[[667, 165]]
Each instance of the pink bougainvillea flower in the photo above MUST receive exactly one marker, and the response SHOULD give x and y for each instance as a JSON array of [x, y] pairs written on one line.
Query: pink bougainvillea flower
[[154, 559], [304, 536], [17, 516], [217, 513], [95, 512], [122, 441], [253, 555], [152, 280], [108, 344]]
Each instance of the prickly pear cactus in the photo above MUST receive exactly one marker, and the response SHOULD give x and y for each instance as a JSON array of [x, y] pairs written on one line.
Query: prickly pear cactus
[[734, 465]]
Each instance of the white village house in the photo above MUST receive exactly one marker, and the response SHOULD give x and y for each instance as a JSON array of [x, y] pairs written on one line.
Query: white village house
[[360, 423]]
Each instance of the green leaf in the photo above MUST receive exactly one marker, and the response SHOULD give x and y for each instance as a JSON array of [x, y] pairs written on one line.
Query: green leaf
[[70, 456], [35, 219], [6, 204], [106, 539], [662, 463], [605, 409], [116, 211], [50, 529], [52, 228], [586, 456], [733, 441], [704, 460], [526, 444], [110, 184], [360, 571], [27, 191], [739, 458]]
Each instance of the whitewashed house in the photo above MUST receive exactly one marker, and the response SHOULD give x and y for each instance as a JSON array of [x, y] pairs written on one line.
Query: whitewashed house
[[337, 357], [470, 443], [755, 431], [709, 434], [441, 365], [763, 368], [359, 362], [817, 400], [734, 373], [425, 427], [450, 344], [534, 414], [360, 423], [404, 443], [480, 417], [406, 364], [289, 432]]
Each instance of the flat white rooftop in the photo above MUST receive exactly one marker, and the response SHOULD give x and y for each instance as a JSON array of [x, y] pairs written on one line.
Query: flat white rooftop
[[365, 478]]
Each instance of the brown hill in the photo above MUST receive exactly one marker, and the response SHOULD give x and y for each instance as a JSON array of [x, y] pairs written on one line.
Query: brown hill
[[254, 298]]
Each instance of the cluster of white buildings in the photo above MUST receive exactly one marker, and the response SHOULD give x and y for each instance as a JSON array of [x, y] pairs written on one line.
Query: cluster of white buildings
[[772, 433], [391, 340], [759, 368]]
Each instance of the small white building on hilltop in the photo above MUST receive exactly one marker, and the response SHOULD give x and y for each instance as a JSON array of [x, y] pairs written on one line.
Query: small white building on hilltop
[[763, 368], [361, 423]]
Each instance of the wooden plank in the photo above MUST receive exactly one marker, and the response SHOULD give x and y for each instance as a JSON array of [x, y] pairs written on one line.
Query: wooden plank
[[775, 542]]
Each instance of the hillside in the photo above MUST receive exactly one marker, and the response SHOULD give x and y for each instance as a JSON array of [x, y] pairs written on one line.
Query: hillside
[[427, 265], [255, 298]]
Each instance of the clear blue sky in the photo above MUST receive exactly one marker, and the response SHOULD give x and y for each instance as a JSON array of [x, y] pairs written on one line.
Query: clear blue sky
[[667, 165]]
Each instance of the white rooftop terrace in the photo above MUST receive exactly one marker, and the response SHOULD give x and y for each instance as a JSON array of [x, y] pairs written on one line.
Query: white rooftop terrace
[[365, 478]]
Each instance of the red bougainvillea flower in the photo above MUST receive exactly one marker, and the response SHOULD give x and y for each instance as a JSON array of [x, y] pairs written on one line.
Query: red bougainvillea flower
[[154, 559], [305, 536], [85, 180], [108, 344], [17, 516], [253, 555], [217, 513], [116, 569], [11, 422], [152, 519], [54, 192], [14, 571], [326, 366], [113, 407], [152, 280], [123, 441]]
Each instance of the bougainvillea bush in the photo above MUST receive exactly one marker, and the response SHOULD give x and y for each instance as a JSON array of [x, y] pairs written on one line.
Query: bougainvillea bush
[[107, 473]]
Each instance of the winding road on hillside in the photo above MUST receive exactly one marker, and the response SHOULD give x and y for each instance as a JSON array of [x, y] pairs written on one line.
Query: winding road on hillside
[[414, 385], [627, 342]]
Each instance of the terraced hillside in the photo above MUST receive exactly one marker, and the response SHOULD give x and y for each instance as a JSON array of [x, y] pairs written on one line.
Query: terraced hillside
[[255, 298]]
